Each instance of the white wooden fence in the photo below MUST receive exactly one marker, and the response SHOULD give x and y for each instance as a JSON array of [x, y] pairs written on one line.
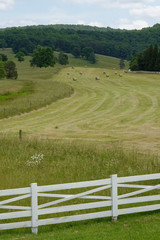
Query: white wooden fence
[[109, 203]]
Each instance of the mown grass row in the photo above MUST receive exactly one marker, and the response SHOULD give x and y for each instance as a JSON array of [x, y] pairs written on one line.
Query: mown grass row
[[35, 87]]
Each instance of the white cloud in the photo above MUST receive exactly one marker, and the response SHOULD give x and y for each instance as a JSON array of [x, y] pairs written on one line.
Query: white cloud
[[17, 23], [93, 24], [137, 24], [148, 11], [6, 4], [112, 3]]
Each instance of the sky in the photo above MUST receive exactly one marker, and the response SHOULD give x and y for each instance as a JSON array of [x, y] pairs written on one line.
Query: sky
[[123, 14]]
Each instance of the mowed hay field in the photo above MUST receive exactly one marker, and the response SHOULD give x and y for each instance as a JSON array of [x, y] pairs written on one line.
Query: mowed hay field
[[113, 109]]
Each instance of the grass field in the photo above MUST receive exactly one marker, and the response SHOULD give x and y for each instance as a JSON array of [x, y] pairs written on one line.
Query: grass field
[[111, 109], [93, 129]]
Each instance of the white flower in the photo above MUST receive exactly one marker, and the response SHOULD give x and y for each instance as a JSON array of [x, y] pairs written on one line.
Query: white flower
[[35, 159]]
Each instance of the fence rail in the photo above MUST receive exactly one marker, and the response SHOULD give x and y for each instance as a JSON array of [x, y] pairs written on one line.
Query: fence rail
[[112, 204]]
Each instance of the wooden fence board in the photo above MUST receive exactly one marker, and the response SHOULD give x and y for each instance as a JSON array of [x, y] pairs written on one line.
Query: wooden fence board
[[85, 184], [73, 218], [74, 207], [15, 225], [139, 209], [139, 178], [12, 215]]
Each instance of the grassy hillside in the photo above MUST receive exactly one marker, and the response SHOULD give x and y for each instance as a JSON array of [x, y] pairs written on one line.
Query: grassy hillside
[[37, 87], [115, 109], [105, 126]]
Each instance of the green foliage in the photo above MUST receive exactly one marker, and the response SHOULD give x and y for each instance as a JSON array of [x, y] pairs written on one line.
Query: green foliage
[[20, 56], [86, 52], [3, 57], [23, 44], [121, 64], [11, 71], [42, 57], [63, 58], [2, 70], [148, 60], [76, 52], [72, 39]]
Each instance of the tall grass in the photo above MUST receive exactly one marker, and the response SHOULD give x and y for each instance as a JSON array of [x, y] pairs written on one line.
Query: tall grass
[[76, 161], [68, 161]]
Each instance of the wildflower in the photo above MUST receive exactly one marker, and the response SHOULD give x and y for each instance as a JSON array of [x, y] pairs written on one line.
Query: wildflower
[[35, 159]]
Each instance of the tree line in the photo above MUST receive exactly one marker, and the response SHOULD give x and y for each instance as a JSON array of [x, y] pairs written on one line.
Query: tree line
[[148, 60], [75, 38], [7, 68]]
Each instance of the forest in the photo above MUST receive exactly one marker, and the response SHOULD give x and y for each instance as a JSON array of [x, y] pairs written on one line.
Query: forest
[[70, 38], [148, 60]]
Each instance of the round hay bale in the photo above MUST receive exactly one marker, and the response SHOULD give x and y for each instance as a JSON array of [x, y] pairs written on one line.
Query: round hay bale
[[97, 78], [74, 79], [107, 75]]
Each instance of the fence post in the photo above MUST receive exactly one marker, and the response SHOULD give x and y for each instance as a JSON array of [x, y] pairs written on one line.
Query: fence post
[[34, 208], [114, 197]]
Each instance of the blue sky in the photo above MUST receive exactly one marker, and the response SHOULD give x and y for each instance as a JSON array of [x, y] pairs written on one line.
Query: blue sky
[[124, 14]]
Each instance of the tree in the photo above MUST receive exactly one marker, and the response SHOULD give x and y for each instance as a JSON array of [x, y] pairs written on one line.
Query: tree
[[86, 52], [2, 70], [133, 64], [20, 56], [92, 58], [76, 52], [3, 57], [121, 64], [63, 58], [148, 60], [11, 71], [42, 57]]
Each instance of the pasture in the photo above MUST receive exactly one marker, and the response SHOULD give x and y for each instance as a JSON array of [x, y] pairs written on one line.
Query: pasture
[[113, 109], [92, 129]]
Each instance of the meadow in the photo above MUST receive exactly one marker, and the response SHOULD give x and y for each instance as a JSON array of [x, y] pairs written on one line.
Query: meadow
[[86, 129]]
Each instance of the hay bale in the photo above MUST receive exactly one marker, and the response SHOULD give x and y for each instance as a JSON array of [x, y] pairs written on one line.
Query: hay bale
[[97, 78], [104, 72], [107, 75], [74, 79], [68, 73], [120, 75], [80, 73]]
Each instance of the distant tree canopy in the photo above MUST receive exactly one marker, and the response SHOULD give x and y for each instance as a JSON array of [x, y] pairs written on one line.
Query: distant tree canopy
[[86, 53], [20, 56], [2, 70], [63, 58], [3, 57], [148, 60], [73, 38], [11, 71], [42, 57]]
